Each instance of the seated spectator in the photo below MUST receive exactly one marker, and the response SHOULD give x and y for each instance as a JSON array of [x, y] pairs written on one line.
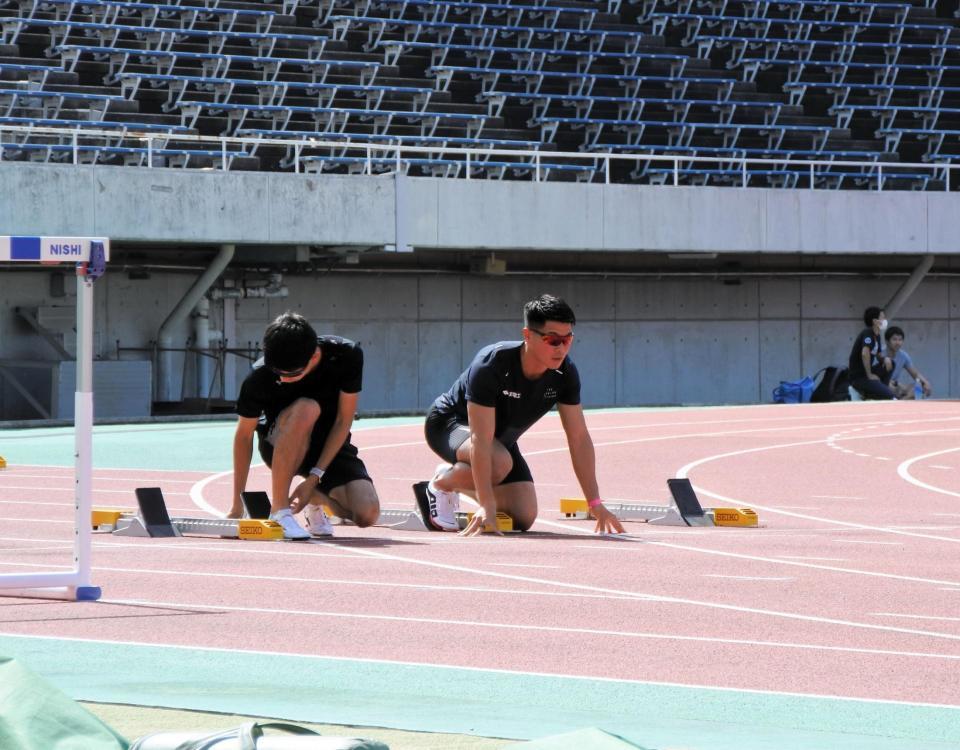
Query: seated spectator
[[869, 371], [902, 366]]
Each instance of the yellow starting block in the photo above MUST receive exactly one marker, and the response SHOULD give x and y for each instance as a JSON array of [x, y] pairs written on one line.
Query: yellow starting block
[[686, 510], [106, 519], [131, 523], [3, 463], [248, 528], [504, 522]]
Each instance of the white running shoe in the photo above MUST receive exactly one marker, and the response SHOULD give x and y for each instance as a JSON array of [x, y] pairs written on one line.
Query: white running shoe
[[317, 522], [291, 529], [443, 508]]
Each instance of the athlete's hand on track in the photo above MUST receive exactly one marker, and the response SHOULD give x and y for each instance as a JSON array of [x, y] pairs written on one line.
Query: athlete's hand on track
[[300, 498], [607, 523], [479, 524]]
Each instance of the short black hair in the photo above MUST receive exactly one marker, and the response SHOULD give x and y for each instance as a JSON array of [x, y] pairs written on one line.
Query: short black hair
[[547, 307], [894, 331], [871, 314], [288, 342]]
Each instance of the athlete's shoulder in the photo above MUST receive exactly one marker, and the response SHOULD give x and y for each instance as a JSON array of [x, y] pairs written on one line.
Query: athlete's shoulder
[[500, 353]]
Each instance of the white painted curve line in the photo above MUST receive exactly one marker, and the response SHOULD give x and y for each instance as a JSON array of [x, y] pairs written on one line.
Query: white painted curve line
[[196, 494], [904, 471], [727, 433], [684, 473]]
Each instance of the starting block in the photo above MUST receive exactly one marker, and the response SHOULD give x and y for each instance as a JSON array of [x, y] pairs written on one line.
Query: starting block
[[154, 521], [257, 505], [685, 510], [3, 463]]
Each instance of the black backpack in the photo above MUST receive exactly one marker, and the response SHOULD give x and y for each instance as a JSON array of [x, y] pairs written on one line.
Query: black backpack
[[833, 385]]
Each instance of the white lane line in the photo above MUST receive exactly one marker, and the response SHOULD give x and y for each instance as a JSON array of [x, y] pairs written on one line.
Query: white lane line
[[748, 578], [657, 597], [216, 608], [904, 471], [915, 617], [71, 489], [344, 582], [96, 478], [939, 466], [799, 507], [865, 541], [774, 560]]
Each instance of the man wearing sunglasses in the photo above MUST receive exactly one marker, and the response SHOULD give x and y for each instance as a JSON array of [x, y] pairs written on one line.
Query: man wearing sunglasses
[[474, 427], [300, 401]]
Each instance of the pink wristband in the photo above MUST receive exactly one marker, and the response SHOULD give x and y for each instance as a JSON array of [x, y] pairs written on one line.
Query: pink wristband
[[594, 503]]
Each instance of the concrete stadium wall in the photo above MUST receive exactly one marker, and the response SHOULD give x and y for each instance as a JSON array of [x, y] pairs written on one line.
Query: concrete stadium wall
[[167, 205], [639, 340]]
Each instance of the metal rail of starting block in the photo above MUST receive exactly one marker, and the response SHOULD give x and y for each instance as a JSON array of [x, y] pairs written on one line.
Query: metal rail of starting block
[[154, 521], [685, 510]]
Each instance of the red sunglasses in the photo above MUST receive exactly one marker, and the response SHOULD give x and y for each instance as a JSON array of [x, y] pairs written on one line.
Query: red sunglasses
[[554, 339]]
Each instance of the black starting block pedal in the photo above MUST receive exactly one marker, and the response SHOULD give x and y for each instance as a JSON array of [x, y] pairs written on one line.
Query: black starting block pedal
[[257, 504], [423, 504], [153, 511], [686, 499]]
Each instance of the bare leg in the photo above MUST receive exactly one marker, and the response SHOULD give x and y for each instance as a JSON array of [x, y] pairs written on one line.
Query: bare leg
[[519, 501], [460, 477], [291, 438], [355, 501]]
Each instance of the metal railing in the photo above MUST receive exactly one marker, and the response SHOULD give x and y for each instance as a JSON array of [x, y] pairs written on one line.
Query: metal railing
[[373, 157]]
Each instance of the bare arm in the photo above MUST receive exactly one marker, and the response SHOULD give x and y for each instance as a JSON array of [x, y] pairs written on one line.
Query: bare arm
[[921, 379], [482, 421], [242, 455], [583, 458], [346, 411]]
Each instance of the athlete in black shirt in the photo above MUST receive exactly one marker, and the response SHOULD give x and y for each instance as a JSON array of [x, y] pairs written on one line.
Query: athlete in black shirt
[[474, 427], [300, 400], [869, 371]]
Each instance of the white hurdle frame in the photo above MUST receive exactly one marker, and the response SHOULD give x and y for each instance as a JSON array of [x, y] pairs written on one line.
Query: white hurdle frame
[[75, 584]]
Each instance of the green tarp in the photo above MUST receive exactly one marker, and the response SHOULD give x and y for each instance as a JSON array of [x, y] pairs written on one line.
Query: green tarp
[[34, 715]]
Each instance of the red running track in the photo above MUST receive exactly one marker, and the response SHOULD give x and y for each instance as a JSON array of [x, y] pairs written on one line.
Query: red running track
[[851, 587]]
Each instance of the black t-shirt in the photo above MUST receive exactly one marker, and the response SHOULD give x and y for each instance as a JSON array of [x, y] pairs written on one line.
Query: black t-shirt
[[866, 338], [495, 378], [340, 369]]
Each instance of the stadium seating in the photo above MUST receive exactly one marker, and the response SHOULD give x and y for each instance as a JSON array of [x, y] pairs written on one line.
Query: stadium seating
[[810, 93]]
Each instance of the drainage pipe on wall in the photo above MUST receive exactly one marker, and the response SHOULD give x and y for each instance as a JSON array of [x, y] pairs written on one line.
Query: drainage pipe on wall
[[165, 337], [909, 287]]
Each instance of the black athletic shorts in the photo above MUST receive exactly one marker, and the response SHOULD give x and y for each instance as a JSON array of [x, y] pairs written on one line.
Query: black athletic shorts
[[445, 435], [345, 467]]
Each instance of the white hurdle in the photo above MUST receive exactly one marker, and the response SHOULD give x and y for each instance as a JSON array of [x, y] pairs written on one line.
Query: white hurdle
[[90, 255]]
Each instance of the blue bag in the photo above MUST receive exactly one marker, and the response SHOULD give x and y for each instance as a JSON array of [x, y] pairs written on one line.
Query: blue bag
[[793, 391]]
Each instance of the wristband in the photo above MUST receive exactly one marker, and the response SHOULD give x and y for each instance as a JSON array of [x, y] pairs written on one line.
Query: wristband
[[594, 503], [317, 472]]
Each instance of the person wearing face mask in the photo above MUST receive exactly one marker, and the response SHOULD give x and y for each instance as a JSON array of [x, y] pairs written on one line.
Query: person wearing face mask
[[869, 370], [300, 400]]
